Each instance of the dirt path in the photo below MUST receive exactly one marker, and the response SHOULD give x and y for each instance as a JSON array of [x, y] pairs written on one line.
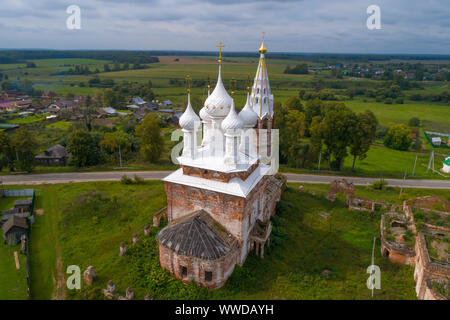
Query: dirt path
[[59, 291]]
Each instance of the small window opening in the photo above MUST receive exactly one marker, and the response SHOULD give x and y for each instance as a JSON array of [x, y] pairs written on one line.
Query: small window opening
[[183, 271]]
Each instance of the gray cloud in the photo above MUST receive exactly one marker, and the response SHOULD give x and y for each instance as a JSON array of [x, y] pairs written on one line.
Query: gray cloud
[[290, 25]]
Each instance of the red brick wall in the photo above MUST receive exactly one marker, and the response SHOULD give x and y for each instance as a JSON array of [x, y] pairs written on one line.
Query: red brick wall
[[221, 268]]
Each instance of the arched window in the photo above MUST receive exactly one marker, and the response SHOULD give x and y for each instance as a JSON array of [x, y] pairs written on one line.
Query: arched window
[[264, 90], [257, 91], [265, 99], [256, 100]]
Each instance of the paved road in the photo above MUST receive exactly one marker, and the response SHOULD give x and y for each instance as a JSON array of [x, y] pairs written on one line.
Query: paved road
[[34, 179]]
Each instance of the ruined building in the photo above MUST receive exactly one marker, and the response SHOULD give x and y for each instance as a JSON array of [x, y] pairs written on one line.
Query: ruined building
[[220, 200]]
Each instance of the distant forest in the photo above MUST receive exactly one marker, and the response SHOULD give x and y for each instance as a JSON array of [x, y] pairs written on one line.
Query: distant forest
[[131, 57], [141, 57]]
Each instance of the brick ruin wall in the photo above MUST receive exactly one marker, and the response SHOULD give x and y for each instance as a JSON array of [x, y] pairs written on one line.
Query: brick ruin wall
[[196, 268], [426, 271], [363, 204], [395, 253]]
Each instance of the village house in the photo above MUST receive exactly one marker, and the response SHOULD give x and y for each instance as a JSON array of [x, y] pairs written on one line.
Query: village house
[[62, 105], [54, 156], [10, 94], [7, 105], [138, 101], [13, 229], [107, 112], [48, 95]]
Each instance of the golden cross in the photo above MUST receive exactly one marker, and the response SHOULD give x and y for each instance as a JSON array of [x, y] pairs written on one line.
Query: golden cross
[[188, 78], [233, 83], [248, 83], [220, 46], [263, 35], [209, 82]]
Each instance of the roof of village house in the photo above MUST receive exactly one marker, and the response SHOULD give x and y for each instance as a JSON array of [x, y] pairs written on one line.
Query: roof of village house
[[23, 202], [198, 235], [14, 221], [49, 94], [139, 100], [64, 103], [57, 151]]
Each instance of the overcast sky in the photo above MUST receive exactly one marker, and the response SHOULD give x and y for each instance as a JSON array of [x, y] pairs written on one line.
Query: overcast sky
[[408, 26]]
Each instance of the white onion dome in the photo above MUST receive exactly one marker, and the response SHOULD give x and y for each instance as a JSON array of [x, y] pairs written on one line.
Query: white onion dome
[[247, 115], [219, 102], [204, 114], [232, 120], [189, 118]]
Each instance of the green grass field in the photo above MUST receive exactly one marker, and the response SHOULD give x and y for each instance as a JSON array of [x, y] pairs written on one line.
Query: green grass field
[[13, 282], [84, 223], [383, 162]]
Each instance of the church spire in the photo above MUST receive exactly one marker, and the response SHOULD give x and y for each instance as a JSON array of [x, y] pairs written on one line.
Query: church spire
[[262, 49], [261, 97]]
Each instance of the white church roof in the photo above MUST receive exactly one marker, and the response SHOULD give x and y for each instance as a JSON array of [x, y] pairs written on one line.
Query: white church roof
[[218, 103], [232, 121], [189, 119], [248, 116]]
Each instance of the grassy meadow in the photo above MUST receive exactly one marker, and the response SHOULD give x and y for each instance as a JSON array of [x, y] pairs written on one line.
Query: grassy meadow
[[13, 282], [84, 223]]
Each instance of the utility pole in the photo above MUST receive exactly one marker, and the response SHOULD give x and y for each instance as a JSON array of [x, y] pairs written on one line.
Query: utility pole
[[120, 156], [431, 162], [373, 255], [320, 157], [414, 169], [401, 189]]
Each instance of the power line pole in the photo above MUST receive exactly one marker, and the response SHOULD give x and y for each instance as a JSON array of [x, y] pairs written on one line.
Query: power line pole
[[414, 169], [431, 162], [120, 156], [320, 157]]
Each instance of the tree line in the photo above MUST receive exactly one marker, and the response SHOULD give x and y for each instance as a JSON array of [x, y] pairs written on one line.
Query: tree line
[[334, 132], [88, 147]]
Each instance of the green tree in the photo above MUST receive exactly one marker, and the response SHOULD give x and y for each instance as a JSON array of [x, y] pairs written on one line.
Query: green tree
[[113, 140], [88, 110], [398, 137], [312, 109], [293, 103], [414, 122], [25, 145], [83, 147], [7, 155], [337, 128], [316, 136], [152, 143], [295, 129], [363, 135]]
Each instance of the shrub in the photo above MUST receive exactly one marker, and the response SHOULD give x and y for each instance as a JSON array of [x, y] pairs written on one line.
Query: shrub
[[398, 137], [379, 185], [126, 180], [138, 180], [414, 122]]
